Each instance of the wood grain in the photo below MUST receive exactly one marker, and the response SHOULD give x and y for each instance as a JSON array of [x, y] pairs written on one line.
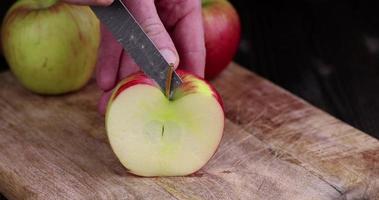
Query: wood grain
[[275, 146]]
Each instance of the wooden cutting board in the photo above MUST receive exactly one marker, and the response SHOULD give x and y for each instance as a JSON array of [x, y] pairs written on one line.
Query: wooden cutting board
[[275, 146]]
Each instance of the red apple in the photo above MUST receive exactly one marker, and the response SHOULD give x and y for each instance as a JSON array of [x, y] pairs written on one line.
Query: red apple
[[222, 35], [154, 136]]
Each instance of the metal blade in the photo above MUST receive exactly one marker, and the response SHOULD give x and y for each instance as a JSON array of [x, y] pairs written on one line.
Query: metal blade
[[130, 35]]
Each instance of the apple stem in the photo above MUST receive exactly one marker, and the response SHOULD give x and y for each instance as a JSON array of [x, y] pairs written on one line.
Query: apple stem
[[168, 80]]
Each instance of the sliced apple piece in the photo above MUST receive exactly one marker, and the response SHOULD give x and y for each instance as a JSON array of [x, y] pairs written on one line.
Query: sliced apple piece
[[154, 136]]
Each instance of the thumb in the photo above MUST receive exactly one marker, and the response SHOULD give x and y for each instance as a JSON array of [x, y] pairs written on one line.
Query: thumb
[[146, 14]]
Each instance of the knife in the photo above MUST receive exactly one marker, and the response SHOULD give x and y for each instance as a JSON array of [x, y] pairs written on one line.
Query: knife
[[141, 49]]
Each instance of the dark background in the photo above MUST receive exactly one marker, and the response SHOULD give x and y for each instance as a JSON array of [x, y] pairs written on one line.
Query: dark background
[[325, 51]]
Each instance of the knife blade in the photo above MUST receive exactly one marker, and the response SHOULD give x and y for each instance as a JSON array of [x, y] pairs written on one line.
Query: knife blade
[[124, 27]]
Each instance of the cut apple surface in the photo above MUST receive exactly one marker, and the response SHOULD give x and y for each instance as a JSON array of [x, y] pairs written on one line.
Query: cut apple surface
[[154, 136]]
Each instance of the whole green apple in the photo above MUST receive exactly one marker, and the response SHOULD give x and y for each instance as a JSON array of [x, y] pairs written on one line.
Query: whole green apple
[[50, 46]]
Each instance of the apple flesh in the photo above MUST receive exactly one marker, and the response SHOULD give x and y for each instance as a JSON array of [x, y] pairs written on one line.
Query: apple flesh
[[222, 31], [51, 47], [154, 136]]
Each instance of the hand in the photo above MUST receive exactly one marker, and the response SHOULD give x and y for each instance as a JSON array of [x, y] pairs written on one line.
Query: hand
[[90, 2], [175, 26]]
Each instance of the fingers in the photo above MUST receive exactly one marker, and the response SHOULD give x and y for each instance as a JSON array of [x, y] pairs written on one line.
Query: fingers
[[108, 61], [90, 2], [127, 66], [146, 14], [102, 106], [185, 18]]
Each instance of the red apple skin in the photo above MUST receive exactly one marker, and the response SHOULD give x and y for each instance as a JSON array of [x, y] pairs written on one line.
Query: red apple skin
[[133, 79], [187, 87], [222, 31]]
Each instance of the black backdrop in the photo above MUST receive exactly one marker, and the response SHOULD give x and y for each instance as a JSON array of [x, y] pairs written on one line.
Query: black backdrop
[[326, 52]]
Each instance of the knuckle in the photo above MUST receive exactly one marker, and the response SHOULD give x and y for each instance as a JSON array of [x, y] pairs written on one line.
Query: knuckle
[[153, 27], [105, 2]]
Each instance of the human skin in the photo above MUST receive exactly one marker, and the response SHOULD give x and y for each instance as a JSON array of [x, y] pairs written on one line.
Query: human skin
[[175, 27]]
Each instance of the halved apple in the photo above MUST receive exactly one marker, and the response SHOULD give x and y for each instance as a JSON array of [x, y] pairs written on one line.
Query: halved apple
[[154, 136]]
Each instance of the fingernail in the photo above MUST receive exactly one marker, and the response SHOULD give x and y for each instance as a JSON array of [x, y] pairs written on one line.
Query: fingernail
[[169, 56], [106, 2]]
